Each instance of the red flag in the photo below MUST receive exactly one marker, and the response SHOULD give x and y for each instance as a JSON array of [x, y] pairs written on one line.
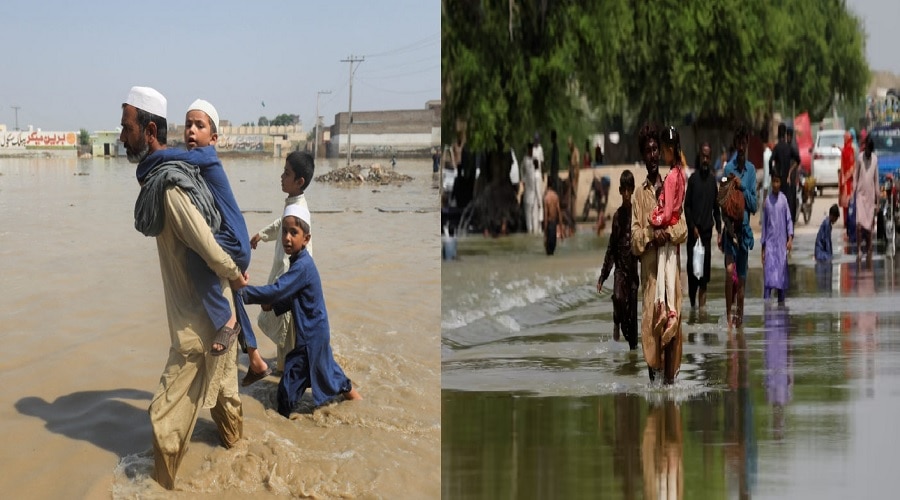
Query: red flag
[[804, 138]]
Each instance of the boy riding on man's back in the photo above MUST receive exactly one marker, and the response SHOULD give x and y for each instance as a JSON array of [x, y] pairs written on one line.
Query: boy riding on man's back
[[200, 136]]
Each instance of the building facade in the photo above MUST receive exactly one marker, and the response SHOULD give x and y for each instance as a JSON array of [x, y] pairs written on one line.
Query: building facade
[[381, 134]]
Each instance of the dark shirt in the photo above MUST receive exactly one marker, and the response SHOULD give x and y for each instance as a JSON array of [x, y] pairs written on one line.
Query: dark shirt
[[554, 162], [781, 159], [700, 204], [619, 252]]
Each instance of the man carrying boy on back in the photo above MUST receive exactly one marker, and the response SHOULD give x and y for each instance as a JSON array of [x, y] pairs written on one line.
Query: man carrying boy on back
[[176, 207]]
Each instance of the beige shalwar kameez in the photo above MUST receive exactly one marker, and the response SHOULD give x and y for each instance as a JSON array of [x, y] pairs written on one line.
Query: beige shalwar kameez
[[192, 377], [662, 349]]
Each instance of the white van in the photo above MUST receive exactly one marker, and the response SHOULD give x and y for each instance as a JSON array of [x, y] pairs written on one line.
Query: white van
[[826, 158]]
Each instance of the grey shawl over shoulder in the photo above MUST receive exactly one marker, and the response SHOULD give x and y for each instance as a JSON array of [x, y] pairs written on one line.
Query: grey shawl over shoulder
[[149, 214]]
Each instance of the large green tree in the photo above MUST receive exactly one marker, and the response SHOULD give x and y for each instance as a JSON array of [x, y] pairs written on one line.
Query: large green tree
[[510, 68]]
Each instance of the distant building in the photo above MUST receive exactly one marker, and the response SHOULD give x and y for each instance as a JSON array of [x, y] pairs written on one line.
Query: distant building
[[410, 132], [34, 142], [269, 139], [105, 143]]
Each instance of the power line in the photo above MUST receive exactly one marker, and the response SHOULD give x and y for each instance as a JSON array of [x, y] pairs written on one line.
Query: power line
[[398, 75], [418, 44], [394, 91], [404, 65]]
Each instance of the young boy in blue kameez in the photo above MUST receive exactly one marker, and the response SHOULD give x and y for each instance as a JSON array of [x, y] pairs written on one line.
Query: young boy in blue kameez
[[311, 363], [824, 249], [777, 240]]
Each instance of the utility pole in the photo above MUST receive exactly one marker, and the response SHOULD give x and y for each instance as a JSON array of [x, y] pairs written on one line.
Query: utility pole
[[17, 108], [316, 143], [351, 60]]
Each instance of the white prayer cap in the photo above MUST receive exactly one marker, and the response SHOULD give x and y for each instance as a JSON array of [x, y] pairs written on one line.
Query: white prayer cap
[[147, 99], [209, 109], [298, 211]]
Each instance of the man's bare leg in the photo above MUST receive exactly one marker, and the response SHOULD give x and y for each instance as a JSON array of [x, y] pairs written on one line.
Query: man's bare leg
[[869, 247], [669, 362], [701, 297], [739, 302], [858, 238], [729, 289]]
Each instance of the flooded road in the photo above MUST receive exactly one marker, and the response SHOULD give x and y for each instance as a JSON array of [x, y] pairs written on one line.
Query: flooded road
[[539, 402]]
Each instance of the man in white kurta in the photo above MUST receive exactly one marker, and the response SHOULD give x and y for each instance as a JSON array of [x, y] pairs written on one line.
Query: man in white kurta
[[532, 198], [193, 377]]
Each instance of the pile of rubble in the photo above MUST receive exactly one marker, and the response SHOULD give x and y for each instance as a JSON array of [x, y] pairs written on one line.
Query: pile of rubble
[[357, 174]]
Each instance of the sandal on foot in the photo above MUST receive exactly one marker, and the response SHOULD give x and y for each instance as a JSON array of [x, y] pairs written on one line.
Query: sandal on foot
[[253, 377], [225, 336]]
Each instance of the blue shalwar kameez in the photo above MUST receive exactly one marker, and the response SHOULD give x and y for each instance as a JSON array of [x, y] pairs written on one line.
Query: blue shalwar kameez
[[776, 230], [232, 235], [311, 362]]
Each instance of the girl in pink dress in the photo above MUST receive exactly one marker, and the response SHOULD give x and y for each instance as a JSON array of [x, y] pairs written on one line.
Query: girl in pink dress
[[667, 213]]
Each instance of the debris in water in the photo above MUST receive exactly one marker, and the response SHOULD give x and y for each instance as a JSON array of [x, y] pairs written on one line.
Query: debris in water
[[357, 174]]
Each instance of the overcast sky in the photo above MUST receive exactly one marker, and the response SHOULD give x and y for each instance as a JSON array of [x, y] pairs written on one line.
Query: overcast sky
[[881, 20], [69, 65]]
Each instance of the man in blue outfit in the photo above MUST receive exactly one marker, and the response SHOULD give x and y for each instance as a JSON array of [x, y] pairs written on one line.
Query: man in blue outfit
[[743, 174]]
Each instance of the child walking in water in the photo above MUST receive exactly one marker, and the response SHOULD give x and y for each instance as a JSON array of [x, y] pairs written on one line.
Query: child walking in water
[[311, 363], [777, 239], [295, 179], [666, 214], [626, 280]]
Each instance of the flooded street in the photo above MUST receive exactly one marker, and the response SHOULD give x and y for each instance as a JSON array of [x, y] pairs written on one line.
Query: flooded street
[[87, 338], [538, 401]]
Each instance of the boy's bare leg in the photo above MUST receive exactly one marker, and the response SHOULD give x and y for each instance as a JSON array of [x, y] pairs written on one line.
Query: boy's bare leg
[[352, 395], [256, 364]]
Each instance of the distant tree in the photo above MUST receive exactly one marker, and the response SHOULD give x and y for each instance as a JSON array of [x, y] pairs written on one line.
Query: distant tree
[[263, 121], [286, 119], [84, 137]]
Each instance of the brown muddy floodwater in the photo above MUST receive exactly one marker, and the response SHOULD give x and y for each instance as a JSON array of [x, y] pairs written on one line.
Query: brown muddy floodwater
[[539, 402], [85, 341]]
